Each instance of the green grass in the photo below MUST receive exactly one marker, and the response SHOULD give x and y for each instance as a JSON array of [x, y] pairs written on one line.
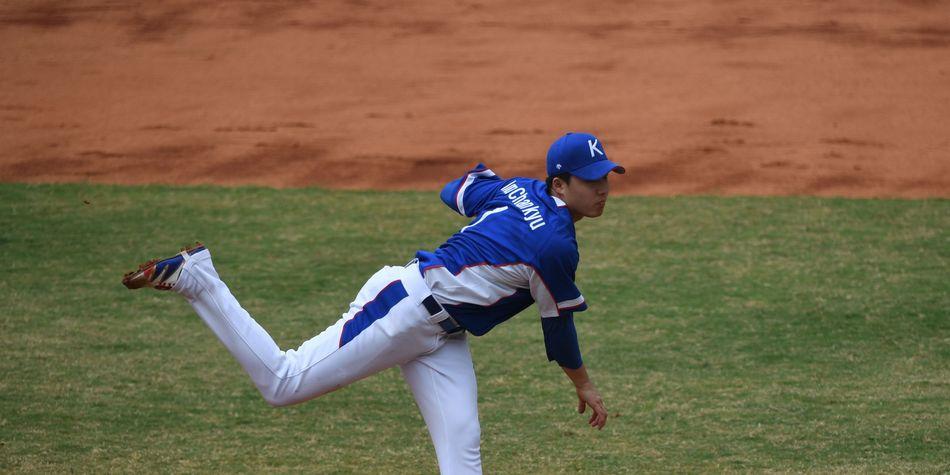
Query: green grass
[[726, 334]]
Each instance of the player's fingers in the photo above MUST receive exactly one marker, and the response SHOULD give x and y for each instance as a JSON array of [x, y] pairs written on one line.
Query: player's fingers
[[595, 420], [601, 414]]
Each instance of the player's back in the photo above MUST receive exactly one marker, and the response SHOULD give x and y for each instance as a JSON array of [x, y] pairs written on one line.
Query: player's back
[[519, 248]]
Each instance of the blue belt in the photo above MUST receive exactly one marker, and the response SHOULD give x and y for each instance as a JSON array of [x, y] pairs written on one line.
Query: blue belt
[[448, 323]]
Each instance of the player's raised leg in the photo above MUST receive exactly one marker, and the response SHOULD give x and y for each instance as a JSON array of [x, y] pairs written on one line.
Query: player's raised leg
[[382, 329], [443, 384]]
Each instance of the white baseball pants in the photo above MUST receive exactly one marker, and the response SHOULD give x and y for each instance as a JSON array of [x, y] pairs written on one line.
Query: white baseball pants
[[386, 325]]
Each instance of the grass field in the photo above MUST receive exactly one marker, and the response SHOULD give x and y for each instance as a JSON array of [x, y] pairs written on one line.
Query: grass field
[[726, 334]]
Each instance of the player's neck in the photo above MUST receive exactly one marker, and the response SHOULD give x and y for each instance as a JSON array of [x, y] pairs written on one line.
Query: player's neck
[[575, 216]]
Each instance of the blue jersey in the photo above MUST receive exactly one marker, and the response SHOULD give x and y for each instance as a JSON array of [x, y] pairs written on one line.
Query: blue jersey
[[519, 249]]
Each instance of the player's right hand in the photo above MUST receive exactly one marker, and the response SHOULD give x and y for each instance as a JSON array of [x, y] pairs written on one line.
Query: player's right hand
[[587, 395]]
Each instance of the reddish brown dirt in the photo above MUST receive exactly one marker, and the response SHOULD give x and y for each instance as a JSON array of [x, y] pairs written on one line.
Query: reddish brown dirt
[[848, 98]]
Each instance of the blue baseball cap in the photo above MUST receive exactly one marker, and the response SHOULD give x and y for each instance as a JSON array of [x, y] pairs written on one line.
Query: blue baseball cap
[[581, 155]]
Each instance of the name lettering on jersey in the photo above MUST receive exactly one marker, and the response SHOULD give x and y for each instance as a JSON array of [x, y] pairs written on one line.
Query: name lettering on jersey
[[519, 198]]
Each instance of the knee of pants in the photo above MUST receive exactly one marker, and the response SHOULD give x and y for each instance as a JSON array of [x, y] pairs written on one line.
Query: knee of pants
[[465, 433], [276, 386], [273, 395], [275, 402], [462, 454], [279, 396]]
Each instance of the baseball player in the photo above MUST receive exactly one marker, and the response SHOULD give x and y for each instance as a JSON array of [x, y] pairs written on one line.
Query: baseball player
[[519, 249]]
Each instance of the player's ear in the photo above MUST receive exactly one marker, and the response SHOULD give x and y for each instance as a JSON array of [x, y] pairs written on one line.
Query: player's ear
[[557, 185]]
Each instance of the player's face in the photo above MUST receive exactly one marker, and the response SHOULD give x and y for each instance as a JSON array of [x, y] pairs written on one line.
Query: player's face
[[585, 198]]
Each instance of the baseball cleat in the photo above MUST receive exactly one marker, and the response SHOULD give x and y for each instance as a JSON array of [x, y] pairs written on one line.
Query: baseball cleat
[[161, 274]]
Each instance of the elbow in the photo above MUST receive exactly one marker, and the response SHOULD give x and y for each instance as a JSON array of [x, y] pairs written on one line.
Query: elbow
[[447, 195], [572, 361]]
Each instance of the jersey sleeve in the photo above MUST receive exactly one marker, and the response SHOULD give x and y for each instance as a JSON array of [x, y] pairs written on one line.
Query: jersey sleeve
[[552, 283], [469, 194], [560, 341]]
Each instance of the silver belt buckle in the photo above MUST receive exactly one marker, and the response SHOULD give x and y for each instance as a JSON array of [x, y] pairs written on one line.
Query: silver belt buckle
[[450, 325], [435, 309]]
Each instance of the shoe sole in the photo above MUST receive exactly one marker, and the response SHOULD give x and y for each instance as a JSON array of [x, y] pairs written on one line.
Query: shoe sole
[[142, 277]]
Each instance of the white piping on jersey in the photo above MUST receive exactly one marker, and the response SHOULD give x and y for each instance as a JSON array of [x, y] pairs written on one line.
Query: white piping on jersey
[[570, 303], [559, 202], [460, 195], [485, 215]]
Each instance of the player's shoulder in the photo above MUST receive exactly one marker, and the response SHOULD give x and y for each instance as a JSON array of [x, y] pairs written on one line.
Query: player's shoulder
[[530, 195], [560, 241], [562, 238], [485, 176], [556, 236], [526, 188]]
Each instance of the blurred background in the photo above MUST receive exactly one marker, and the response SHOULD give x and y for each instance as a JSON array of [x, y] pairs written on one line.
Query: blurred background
[[842, 98]]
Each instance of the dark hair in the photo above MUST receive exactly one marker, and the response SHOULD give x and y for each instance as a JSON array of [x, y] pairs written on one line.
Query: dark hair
[[565, 177]]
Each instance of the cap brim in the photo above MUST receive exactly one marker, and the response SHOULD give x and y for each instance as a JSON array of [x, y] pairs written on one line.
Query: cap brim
[[598, 170]]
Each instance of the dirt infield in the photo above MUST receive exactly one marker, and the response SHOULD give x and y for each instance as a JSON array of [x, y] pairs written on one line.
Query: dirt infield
[[846, 98]]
